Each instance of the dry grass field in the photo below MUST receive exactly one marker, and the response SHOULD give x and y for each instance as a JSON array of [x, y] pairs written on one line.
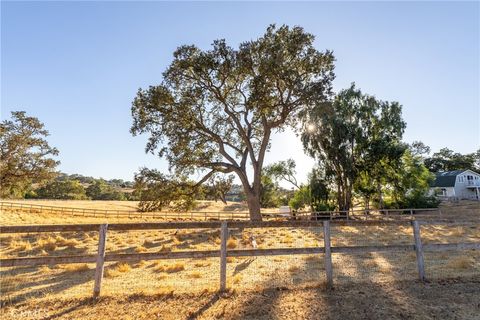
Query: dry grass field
[[367, 286], [201, 205]]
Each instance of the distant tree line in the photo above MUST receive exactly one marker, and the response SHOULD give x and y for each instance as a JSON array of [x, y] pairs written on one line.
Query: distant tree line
[[357, 142], [67, 188], [28, 167]]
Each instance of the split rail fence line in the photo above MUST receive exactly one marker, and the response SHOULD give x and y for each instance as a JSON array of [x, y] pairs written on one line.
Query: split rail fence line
[[327, 250], [217, 215]]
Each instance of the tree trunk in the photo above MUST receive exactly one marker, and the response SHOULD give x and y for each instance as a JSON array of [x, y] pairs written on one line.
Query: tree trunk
[[253, 201], [367, 202], [380, 196]]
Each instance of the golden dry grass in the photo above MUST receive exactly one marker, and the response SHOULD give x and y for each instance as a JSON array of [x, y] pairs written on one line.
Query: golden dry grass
[[75, 267], [20, 245], [195, 275], [117, 270], [462, 262], [232, 243], [170, 268]]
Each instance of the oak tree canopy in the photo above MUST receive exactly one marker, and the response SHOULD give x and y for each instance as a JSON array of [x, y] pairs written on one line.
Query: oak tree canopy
[[215, 110]]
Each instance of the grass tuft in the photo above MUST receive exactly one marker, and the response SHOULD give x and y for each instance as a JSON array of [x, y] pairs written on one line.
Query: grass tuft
[[49, 243], [20, 245], [76, 267], [171, 268], [232, 243], [140, 249], [462, 262], [237, 279], [293, 269], [195, 275], [117, 269]]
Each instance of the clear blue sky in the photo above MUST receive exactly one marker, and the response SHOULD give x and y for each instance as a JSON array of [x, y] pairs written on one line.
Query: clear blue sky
[[77, 66]]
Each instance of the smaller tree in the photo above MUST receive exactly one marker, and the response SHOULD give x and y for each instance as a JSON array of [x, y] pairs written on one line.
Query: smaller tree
[[352, 134], [100, 190], [269, 196], [65, 190], [448, 160], [283, 170], [411, 184], [217, 188], [418, 148], [314, 195], [26, 158], [157, 191], [301, 198], [319, 191]]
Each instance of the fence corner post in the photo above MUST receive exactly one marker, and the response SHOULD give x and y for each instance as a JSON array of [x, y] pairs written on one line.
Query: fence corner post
[[223, 256], [419, 250], [328, 254], [102, 238]]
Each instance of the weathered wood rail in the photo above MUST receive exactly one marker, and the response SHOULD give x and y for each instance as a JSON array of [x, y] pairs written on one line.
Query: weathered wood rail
[[223, 253]]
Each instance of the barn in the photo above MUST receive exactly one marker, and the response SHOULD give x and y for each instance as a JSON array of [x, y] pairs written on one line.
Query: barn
[[461, 184]]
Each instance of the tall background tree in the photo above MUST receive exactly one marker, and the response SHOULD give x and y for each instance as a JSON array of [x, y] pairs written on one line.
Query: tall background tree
[[26, 158], [215, 110], [354, 134]]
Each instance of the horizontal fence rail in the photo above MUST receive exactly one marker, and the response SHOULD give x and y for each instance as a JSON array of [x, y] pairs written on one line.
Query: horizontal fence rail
[[223, 253], [217, 225]]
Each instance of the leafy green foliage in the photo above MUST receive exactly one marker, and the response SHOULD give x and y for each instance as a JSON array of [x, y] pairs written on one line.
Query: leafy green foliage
[[411, 184], [319, 191], [314, 196], [354, 133], [216, 189], [157, 191], [215, 110], [100, 190], [25, 156], [418, 148], [283, 170], [301, 198], [66, 190], [448, 160], [269, 195]]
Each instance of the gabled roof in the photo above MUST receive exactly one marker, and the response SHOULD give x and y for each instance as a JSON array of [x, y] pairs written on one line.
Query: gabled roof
[[446, 179]]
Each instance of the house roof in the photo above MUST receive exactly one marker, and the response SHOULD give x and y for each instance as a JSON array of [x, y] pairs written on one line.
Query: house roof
[[446, 179]]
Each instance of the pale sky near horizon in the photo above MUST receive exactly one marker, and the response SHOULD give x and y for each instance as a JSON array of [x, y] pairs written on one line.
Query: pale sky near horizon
[[77, 66]]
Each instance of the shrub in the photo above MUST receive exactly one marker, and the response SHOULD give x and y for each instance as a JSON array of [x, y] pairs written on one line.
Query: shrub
[[76, 267], [171, 268], [232, 243]]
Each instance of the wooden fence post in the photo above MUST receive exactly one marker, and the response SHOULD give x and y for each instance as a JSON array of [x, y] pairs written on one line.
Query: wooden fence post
[[102, 239], [223, 256], [419, 250], [328, 254]]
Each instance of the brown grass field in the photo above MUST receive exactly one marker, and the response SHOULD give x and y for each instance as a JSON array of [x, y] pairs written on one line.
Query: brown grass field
[[367, 286]]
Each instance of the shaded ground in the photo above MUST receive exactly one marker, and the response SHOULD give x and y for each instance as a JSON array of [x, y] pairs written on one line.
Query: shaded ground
[[446, 299]]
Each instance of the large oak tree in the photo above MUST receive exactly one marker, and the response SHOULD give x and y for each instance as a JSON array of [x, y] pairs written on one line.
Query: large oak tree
[[25, 155], [216, 109]]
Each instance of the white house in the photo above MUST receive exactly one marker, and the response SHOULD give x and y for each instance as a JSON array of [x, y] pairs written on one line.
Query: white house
[[462, 184]]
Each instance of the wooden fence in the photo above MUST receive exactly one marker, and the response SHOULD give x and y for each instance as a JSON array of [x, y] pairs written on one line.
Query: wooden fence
[[217, 215], [327, 250]]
